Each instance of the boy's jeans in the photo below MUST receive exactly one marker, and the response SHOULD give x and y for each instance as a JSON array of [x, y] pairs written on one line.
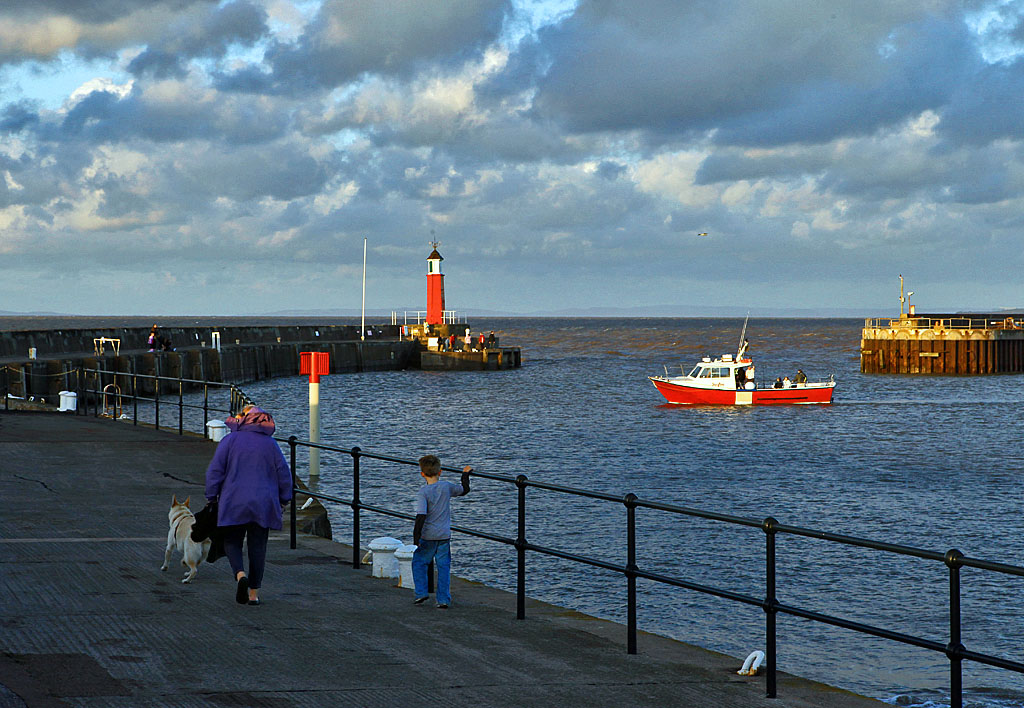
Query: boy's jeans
[[441, 553]]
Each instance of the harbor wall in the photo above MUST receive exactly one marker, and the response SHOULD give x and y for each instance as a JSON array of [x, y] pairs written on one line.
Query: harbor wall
[[246, 354], [48, 342], [947, 345]]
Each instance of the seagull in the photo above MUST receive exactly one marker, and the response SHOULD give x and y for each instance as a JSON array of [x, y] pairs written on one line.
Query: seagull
[[705, 233]]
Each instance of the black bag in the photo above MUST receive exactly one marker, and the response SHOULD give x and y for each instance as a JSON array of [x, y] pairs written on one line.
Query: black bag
[[205, 527]]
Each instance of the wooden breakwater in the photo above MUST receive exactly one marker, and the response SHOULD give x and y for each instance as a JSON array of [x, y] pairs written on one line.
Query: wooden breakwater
[[41, 363], [943, 344]]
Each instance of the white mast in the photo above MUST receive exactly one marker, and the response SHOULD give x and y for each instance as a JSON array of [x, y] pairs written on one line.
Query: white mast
[[741, 349], [362, 326]]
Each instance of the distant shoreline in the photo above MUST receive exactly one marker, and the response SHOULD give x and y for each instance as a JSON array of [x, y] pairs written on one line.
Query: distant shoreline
[[17, 323]]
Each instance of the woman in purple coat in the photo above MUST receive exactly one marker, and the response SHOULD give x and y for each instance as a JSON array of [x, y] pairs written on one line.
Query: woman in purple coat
[[251, 480]]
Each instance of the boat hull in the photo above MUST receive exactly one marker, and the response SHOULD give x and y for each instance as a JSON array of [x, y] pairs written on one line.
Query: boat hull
[[681, 394]]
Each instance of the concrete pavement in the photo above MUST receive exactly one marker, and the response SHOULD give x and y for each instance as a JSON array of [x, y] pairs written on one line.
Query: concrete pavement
[[88, 619]]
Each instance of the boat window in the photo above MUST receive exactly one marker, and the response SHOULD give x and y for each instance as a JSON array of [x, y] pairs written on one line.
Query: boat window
[[695, 373], [708, 372]]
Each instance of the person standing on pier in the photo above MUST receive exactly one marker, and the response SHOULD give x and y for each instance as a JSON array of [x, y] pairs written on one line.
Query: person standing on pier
[[251, 481], [433, 530]]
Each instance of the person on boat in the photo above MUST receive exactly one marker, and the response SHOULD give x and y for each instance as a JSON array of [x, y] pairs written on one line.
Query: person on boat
[[786, 383], [801, 377], [778, 382]]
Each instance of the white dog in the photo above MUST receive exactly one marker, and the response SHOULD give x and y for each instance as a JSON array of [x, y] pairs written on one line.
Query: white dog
[[180, 536]]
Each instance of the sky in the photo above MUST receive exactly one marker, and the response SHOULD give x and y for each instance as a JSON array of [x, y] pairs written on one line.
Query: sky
[[204, 157]]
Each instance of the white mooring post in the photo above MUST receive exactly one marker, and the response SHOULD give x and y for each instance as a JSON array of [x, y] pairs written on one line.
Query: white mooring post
[[314, 364]]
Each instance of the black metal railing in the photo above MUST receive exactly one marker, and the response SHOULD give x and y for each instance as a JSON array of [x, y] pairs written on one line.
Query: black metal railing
[[92, 389], [953, 559], [107, 392]]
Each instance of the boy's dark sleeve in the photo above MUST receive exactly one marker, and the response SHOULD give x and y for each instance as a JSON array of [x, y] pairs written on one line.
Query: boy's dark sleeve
[[418, 528], [465, 480]]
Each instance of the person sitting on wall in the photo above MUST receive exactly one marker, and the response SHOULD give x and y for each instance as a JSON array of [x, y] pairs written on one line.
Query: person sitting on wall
[[490, 340], [158, 341]]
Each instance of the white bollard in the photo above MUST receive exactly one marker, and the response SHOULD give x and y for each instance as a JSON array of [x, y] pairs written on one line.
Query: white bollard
[[68, 401], [385, 565], [217, 429], [404, 557]]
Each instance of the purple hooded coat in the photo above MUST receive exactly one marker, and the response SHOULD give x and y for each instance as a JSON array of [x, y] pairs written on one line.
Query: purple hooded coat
[[249, 474]]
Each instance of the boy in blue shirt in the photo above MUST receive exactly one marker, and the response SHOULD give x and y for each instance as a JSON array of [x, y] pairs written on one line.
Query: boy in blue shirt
[[433, 531]]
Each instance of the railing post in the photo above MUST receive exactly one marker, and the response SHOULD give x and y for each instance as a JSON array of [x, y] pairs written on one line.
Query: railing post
[[521, 481], [770, 603], [7, 389], [292, 445], [135, 393], [631, 567], [181, 406], [206, 412], [156, 396], [355, 507], [955, 648]]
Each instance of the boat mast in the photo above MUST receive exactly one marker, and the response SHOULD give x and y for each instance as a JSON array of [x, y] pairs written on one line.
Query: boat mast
[[740, 348]]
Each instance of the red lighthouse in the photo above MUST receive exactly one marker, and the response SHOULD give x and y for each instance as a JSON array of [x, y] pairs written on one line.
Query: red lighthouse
[[435, 287]]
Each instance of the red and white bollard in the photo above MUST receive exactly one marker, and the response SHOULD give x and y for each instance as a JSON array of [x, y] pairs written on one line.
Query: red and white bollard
[[314, 364]]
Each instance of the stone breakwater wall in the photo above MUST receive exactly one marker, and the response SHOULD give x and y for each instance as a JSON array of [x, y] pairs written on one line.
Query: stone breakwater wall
[[248, 353]]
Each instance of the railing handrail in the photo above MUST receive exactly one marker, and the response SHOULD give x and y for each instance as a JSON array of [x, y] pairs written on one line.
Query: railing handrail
[[925, 322], [238, 398], [954, 650]]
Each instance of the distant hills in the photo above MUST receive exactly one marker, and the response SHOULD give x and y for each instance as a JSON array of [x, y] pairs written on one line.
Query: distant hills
[[378, 315], [620, 312]]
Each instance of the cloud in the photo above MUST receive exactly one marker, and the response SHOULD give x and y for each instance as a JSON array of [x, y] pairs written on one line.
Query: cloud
[[542, 143], [40, 31], [208, 36], [346, 40], [756, 73]]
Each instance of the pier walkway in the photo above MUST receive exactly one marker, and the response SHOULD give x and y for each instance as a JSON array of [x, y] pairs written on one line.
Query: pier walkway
[[88, 619]]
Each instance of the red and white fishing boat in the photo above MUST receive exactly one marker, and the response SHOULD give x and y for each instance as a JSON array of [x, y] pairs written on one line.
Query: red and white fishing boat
[[730, 380]]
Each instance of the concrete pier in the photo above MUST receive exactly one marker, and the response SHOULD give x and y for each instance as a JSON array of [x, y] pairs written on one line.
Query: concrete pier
[[41, 363], [474, 357], [90, 620], [943, 344]]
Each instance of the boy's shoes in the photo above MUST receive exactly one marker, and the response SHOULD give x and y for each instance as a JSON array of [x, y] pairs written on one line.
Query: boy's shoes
[[442, 605], [420, 600]]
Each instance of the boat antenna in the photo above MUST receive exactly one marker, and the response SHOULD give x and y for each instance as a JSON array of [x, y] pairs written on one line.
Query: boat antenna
[[741, 348]]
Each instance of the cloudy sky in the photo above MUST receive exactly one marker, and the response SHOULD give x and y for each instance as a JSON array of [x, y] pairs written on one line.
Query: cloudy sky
[[204, 157]]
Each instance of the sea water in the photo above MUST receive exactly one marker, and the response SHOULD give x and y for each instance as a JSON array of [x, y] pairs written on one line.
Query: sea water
[[930, 462]]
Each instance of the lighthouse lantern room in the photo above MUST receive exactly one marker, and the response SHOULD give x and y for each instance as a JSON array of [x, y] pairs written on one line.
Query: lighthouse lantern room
[[435, 287]]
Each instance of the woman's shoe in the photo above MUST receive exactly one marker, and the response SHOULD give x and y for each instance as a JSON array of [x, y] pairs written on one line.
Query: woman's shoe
[[254, 602], [242, 591]]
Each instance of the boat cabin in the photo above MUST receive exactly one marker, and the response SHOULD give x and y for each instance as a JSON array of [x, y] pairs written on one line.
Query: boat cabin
[[723, 372]]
